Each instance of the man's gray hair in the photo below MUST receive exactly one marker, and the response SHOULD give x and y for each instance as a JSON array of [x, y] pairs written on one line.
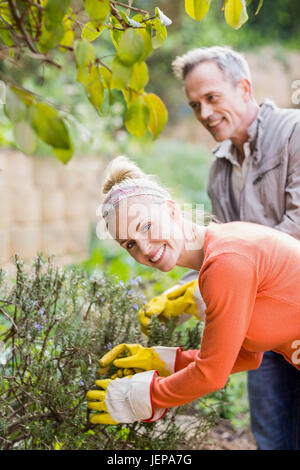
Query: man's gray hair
[[233, 65]]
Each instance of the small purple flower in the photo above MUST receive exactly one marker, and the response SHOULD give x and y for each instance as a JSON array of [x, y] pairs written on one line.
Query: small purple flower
[[163, 327], [130, 292], [109, 346], [102, 298], [41, 311], [38, 326], [121, 283], [81, 383], [135, 306]]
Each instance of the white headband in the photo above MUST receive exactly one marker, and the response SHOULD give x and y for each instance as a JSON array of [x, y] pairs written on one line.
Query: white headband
[[117, 195]]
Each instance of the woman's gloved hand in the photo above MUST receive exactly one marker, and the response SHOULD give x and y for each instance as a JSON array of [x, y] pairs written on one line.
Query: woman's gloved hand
[[183, 299], [124, 400], [133, 358], [96, 401]]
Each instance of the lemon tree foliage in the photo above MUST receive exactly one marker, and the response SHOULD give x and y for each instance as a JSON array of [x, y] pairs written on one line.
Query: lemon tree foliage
[[46, 29], [235, 11]]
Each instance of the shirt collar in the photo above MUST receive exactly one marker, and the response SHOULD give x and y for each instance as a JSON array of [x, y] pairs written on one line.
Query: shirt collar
[[225, 149]]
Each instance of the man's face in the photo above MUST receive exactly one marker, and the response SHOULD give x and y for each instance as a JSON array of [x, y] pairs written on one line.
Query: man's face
[[218, 105]]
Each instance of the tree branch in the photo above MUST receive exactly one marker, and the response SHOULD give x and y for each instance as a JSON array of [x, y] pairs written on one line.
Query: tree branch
[[20, 25], [9, 319], [99, 61], [116, 14], [36, 5], [44, 58], [129, 7], [29, 417]]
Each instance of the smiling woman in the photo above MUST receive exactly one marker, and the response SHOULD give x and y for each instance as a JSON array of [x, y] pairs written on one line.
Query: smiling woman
[[249, 281], [142, 217]]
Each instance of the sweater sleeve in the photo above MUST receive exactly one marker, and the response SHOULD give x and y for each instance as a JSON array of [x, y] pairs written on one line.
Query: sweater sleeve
[[228, 285], [246, 360]]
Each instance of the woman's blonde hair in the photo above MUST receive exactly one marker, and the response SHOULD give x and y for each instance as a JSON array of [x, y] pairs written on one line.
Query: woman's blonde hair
[[123, 172]]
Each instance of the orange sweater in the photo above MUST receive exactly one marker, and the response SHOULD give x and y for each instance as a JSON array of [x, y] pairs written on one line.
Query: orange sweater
[[250, 282]]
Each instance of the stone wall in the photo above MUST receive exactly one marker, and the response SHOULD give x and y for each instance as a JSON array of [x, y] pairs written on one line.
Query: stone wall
[[46, 206]]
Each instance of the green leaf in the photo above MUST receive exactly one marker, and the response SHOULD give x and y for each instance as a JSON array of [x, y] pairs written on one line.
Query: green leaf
[[160, 33], [129, 95], [158, 114], [6, 36], [140, 76], [121, 74], [107, 80], [235, 13], [137, 117], [69, 34], [197, 9], [97, 9], [15, 108], [138, 18], [55, 11], [5, 12], [27, 97], [115, 34], [107, 77], [49, 126], [49, 39], [84, 74], [56, 446], [146, 35], [92, 30], [95, 90], [26, 138], [131, 47], [84, 53], [116, 37], [124, 17], [64, 155]]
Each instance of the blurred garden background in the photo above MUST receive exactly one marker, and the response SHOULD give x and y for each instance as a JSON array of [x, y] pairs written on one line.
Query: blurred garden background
[[49, 207]]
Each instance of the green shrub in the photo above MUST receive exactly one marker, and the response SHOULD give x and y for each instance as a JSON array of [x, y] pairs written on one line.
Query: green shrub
[[54, 326]]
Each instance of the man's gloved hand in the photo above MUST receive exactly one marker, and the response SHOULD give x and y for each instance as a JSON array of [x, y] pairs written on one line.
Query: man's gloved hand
[[99, 403], [184, 299], [140, 359]]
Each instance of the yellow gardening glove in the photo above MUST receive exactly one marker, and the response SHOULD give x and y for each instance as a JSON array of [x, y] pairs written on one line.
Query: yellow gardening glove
[[99, 403], [172, 304], [139, 359]]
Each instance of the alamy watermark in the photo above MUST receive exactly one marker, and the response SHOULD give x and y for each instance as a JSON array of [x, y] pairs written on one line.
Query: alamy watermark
[[296, 354], [296, 94], [150, 220]]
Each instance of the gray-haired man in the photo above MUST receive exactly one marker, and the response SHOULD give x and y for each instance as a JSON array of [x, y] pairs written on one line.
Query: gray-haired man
[[255, 177]]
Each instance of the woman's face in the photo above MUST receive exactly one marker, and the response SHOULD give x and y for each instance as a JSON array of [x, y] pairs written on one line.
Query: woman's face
[[151, 232]]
